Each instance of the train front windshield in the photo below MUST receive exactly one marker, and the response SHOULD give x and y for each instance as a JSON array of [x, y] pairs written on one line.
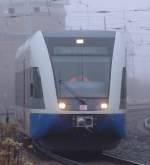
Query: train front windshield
[[82, 71]]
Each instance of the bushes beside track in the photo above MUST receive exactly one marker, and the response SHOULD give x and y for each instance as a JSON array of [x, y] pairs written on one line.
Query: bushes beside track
[[11, 151]]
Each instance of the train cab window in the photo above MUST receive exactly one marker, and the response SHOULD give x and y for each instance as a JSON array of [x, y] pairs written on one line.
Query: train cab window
[[87, 74], [81, 70]]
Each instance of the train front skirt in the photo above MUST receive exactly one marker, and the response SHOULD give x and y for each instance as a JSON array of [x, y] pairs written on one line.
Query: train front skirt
[[61, 132]]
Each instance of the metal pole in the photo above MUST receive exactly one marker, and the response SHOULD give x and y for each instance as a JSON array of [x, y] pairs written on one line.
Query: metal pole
[[87, 10], [29, 17], [105, 25], [7, 116], [124, 20], [48, 4]]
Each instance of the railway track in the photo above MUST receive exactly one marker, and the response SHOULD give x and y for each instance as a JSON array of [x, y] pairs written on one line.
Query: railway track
[[117, 160], [138, 107], [103, 158], [58, 158]]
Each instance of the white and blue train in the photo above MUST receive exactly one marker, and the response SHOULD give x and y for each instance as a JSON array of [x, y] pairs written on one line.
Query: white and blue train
[[71, 89]]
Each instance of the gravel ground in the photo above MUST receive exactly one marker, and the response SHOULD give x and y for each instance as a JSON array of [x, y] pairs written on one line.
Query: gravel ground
[[136, 146]]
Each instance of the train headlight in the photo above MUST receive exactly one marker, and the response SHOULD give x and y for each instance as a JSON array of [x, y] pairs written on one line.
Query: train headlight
[[103, 106], [62, 105]]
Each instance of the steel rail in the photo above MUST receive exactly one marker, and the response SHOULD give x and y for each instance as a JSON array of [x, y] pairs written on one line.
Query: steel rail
[[118, 160], [66, 161], [47, 152]]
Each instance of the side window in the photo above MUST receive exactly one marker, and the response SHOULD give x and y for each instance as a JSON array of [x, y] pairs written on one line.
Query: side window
[[123, 94], [37, 86], [36, 92]]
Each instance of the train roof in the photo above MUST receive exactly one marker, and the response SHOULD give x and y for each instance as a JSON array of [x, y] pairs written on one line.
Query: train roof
[[81, 33]]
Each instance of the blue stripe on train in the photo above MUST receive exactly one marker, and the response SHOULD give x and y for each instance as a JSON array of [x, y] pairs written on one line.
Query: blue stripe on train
[[40, 124], [113, 122]]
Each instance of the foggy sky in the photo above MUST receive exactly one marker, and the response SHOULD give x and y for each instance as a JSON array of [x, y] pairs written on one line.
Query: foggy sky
[[112, 4], [82, 14]]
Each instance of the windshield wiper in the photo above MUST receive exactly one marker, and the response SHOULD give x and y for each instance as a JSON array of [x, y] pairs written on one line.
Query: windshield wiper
[[81, 101]]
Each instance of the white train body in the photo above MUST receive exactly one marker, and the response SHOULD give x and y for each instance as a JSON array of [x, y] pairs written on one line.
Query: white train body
[[72, 82]]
